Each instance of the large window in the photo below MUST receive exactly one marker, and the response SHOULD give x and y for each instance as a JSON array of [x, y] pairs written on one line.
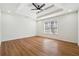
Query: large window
[[51, 27], [47, 26]]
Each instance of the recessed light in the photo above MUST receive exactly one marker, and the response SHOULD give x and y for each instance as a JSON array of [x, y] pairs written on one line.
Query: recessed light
[[70, 10], [8, 11]]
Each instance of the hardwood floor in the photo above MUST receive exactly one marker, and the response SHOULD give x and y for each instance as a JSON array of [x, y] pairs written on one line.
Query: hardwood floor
[[0, 51], [38, 46]]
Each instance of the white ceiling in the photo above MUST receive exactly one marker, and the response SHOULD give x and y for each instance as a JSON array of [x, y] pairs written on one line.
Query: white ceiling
[[74, 6], [9, 6], [24, 9], [58, 9]]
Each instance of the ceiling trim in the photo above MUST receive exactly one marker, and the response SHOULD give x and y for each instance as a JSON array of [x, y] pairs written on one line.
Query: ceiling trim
[[58, 10], [15, 14], [57, 15]]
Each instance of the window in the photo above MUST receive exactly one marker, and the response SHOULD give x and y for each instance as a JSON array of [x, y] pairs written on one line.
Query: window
[[51, 27], [47, 27], [54, 27]]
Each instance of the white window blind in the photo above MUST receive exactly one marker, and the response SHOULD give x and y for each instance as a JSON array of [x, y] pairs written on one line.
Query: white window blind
[[51, 27]]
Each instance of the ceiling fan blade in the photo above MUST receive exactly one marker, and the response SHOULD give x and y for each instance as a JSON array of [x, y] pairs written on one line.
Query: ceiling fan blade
[[35, 5], [34, 9], [42, 6]]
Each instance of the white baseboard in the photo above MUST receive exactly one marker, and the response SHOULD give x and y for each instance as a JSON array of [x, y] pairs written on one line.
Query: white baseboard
[[58, 38], [17, 38]]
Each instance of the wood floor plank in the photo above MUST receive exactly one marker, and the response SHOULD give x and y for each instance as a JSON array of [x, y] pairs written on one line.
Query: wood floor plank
[[38, 46]]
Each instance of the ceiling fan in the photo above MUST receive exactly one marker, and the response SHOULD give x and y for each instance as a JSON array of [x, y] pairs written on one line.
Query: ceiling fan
[[37, 6]]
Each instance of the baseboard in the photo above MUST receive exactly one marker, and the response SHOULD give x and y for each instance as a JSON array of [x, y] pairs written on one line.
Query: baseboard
[[42, 37], [18, 38], [57, 40]]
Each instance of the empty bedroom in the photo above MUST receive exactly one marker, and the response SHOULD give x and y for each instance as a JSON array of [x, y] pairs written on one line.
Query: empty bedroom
[[39, 29]]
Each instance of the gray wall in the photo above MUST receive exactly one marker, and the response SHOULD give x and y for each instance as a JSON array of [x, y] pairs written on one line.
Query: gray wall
[[78, 27], [0, 28], [67, 28], [15, 27]]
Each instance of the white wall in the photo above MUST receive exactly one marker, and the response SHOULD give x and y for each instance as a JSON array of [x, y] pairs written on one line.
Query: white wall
[[67, 28], [78, 27], [15, 27], [0, 28]]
